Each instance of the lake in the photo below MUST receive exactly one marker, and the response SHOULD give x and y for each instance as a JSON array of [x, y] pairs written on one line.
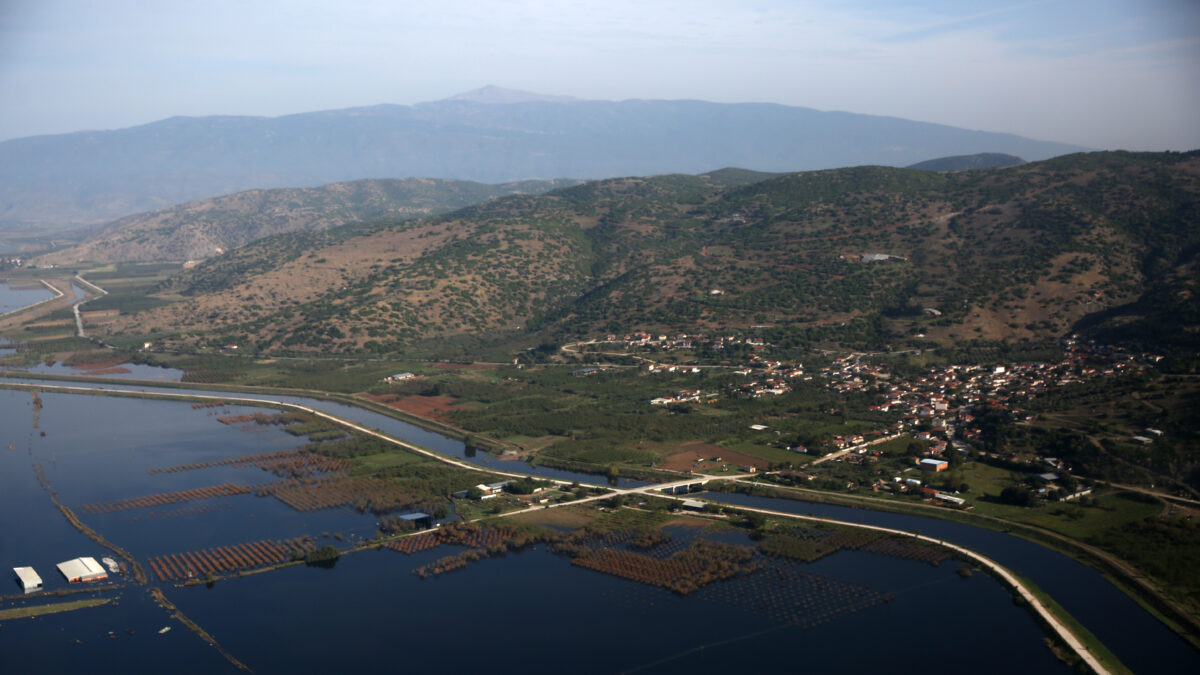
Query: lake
[[131, 371], [14, 298], [370, 611]]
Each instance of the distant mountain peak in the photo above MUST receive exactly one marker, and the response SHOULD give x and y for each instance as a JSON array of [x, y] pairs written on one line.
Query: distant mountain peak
[[494, 94]]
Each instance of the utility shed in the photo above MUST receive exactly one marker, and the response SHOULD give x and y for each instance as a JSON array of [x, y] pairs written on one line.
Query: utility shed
[[419, 520], [957, 501], [30, 581], [82, 569], [693, 505]]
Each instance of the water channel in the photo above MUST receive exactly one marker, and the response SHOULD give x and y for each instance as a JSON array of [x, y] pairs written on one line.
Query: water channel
[[370, 611]]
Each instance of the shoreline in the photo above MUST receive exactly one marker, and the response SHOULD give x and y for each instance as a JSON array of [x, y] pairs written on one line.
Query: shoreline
[[1058, 624]]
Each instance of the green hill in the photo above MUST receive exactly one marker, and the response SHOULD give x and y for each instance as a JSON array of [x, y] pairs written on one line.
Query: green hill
[[865, 256], [983, 160]]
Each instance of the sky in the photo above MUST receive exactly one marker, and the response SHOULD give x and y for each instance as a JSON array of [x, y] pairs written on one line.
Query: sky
[[1105, 74]]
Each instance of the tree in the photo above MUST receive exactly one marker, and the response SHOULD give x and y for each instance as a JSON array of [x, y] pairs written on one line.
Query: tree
[[1018, 495], [954, 458], [326, 556], [755, 520]]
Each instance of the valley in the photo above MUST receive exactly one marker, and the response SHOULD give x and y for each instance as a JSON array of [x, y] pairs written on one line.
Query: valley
[[1002, 349], [704, 338]]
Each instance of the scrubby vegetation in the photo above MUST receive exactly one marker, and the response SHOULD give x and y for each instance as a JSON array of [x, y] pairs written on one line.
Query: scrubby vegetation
[[849, 255]]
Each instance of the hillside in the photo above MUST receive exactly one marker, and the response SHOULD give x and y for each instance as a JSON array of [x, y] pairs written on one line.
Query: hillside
[[983, 160], [863, 256], [491, 136], [208, 227]]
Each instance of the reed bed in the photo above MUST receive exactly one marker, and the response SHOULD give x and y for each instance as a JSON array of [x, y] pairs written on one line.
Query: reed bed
[[361, 492], [700, 564], [484, 542], [415, 543], [228, 559], [293, 463], [167, 498]]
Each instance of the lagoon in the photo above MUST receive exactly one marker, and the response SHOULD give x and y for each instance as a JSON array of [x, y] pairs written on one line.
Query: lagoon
[[371, 612]]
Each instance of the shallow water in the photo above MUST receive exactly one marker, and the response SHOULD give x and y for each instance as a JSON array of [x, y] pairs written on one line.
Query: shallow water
[[371, 612], [1138, 639], [12, 299], [131, 371]]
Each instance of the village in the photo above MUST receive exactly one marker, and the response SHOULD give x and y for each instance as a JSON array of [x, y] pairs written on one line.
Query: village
[[938, 408]]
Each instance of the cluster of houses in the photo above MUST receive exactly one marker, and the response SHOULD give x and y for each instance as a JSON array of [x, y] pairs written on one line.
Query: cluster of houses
[[10, 262], [946, 396], [685, 396], [485, 490], [666, 342], [656, 369], [941, 403]]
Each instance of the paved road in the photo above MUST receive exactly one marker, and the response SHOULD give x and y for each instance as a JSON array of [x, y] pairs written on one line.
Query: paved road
[[856, 448], [1009, 578], [75, 306]]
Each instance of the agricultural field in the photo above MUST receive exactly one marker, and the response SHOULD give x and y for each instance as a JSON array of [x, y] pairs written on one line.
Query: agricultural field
[[1096, 425], [605, 418]]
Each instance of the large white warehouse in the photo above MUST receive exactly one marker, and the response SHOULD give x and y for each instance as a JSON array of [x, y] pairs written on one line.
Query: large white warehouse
[[30, 581], [82, 569]]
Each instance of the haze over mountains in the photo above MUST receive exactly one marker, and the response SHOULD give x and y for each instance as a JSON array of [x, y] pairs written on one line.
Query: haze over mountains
[[490, 135], [209, 227]]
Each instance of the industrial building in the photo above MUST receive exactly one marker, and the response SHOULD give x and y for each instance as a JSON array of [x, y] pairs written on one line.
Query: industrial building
[[930, 464], [82, 569], [30, 581]]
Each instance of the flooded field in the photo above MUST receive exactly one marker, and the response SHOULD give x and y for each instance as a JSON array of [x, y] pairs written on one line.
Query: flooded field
[[16, 296], [183, 494], [122, 370]]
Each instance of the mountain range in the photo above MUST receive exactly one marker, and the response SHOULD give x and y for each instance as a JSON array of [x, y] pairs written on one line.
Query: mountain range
[[863, 256], [491, 136]]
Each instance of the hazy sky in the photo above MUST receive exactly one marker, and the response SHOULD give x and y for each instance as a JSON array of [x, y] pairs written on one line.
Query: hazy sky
[[1099, 73]]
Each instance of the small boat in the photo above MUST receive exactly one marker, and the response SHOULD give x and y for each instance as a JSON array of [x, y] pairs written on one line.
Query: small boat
[[164, 629]]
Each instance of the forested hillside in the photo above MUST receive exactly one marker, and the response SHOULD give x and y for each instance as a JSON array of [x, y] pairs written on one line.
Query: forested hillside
[[209, 227], [984, 160], [861, 256]]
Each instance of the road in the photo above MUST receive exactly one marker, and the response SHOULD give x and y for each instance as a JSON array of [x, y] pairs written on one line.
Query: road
[[75, 306], [1060, 629], [856, 448]]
